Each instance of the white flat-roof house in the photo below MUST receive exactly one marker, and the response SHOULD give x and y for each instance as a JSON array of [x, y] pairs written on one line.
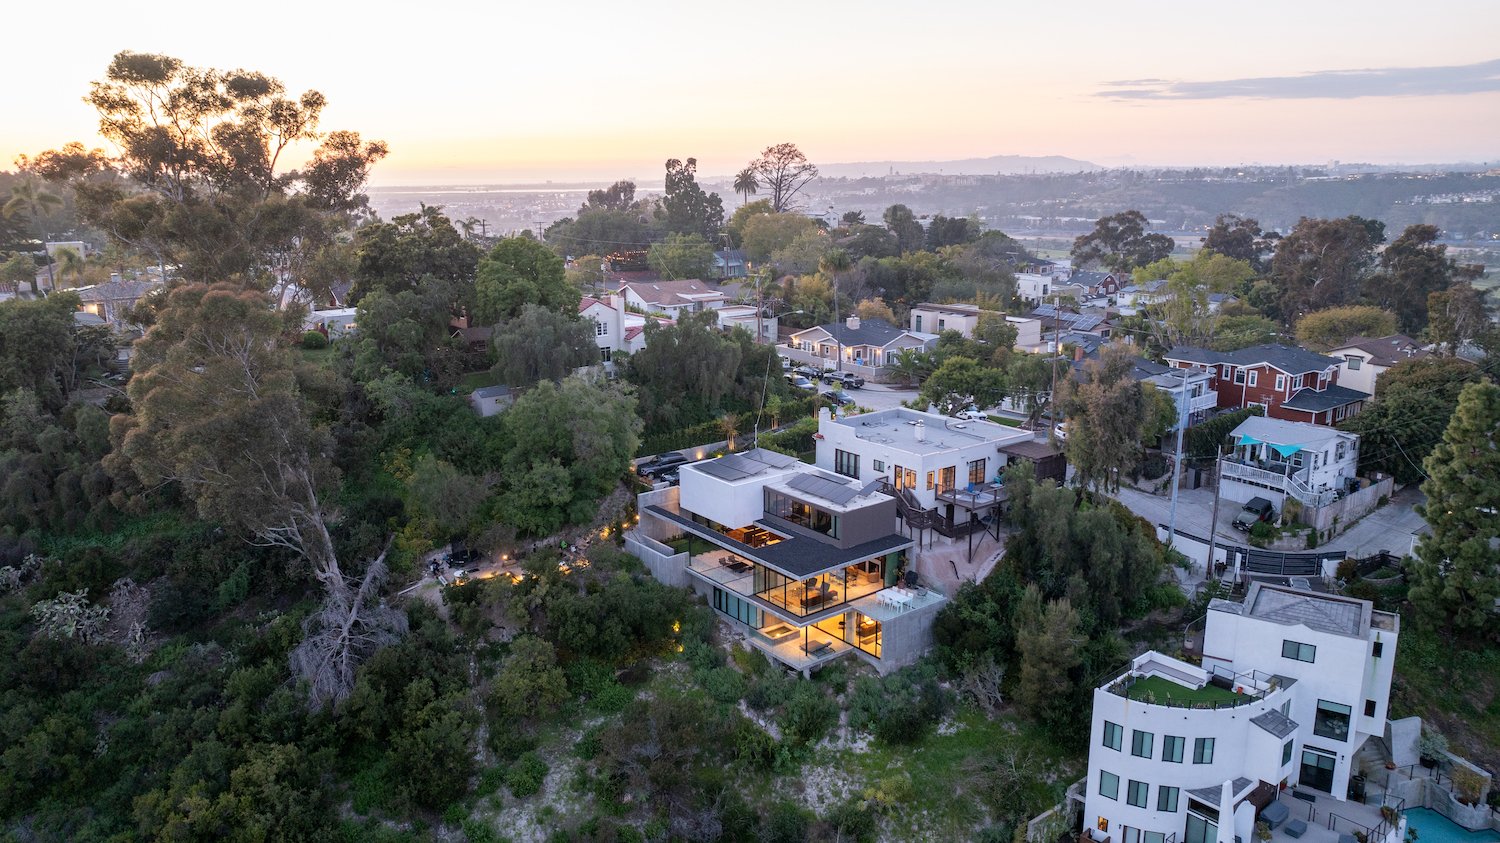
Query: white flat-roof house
[[935, 462], [807, 562], [964, 318], [1275, 458], [1292, 684], [760, 326]]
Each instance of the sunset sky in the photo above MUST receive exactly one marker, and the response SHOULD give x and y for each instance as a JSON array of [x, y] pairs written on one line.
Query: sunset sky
[[490, 92]]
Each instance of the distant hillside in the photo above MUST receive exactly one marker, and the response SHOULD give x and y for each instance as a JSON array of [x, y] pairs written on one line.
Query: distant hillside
[[994, 165]]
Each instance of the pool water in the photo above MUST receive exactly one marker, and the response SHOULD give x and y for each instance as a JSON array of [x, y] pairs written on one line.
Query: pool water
[[1433, 827]]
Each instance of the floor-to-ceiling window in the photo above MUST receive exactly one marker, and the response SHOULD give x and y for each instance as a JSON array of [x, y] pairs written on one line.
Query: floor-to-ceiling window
[[1317, 770]]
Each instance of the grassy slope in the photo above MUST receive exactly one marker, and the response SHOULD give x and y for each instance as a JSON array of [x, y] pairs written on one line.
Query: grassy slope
[[1456, 689]]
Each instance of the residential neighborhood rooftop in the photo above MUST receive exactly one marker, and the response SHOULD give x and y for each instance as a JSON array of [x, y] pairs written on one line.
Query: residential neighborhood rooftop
[[1257, 429], [1386, 351], [1294, 607], [1317, 400], [1287, 358], [917, 432]]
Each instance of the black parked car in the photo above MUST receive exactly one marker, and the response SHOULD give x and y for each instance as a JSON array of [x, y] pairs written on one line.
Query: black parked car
[[660, 463], [1255, 511], [838, 397]]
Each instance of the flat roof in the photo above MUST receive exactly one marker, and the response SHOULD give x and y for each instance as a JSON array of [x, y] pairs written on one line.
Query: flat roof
[[897, 427], [745, 465], [796, 556], [1296, 607]]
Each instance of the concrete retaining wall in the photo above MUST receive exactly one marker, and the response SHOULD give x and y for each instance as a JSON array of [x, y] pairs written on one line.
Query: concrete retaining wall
[[1349, 508]]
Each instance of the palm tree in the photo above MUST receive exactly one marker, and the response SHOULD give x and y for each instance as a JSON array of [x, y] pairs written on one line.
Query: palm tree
[[729, 424], [834, 264], [26, 198], [69, 261], [746, 184]]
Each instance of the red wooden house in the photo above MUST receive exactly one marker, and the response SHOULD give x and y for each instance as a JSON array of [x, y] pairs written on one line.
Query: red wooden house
[[1288, 382]]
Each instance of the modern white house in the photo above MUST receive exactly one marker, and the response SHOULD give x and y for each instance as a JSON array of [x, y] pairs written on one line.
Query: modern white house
[[807, 563], [1276, 459], [1292, 683], [760, 326], [943, 471], [1365, 359], [964, 318]]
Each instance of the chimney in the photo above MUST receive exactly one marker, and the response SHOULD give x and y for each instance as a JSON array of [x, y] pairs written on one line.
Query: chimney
[[920, 431], [852, 323], [616, 303], [1077, 353]]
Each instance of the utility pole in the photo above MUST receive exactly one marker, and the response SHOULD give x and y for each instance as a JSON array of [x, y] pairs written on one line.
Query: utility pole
[[1213, 524], [1177, 467]]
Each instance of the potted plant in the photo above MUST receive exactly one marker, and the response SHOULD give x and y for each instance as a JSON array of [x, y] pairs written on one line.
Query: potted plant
[[1263, 831], [1431, 747], [1389, 814]]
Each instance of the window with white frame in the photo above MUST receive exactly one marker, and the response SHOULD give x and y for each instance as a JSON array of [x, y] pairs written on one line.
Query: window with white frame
[[601, 328], [1354, 361], [1281, 383], [1254, 377]]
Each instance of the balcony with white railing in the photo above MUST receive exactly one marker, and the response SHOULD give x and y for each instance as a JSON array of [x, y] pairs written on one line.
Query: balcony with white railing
[[1208, 400], [1282, 481]]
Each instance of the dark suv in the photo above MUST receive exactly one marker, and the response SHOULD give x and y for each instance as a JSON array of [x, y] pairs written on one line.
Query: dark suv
[[659, 464], [847, 380]]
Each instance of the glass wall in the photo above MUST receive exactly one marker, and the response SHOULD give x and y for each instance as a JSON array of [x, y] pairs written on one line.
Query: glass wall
[[867, 635], [741, 610], [810, 595], [802, 514]]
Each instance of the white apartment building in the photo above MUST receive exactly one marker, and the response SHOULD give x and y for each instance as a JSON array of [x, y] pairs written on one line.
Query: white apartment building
[[1292, 684], [937, 459]]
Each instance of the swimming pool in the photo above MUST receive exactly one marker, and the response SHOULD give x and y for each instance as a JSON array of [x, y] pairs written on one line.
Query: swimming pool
[[1433, 827]]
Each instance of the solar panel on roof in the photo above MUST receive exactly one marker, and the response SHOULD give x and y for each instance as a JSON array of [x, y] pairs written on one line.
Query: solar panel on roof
[[827, 489], [717, 468], [771, 458], [1087, 323], [739, 463]]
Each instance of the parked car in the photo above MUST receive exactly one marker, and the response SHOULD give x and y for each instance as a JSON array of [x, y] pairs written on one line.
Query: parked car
[[660, 463], [803, 383], [1061, 431], [1255, 510], [838, 397], [807, 372], [972, 413], [669, 477], [847, 380], [786, 364]]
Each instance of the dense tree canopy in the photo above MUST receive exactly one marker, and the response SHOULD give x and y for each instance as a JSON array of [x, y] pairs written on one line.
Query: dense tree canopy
[[685, 207], [1321, 264], [1322, 330], [395, 256], [1414, 400], [1120, 243], [517, 272], [682, 256], [542, 344]]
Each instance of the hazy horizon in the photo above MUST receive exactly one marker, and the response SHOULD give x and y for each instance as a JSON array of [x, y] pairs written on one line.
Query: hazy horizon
[[593, 92]]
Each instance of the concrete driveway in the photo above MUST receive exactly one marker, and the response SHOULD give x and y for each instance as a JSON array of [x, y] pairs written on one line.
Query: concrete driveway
[[1393, 527]]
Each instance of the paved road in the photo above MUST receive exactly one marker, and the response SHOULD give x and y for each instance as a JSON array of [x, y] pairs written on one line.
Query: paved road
[[879, 396], [1393, 527]]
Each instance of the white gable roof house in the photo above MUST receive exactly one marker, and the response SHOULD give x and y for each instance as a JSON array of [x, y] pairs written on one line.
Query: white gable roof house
[[861, 342], [673, 297]]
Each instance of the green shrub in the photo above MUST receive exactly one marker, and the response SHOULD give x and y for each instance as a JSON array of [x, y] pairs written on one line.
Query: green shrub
[[589, 745], [314, 340], [753, 746], [526, 775], [490, 781], [852, 821], [476, 831], [768, 691], [900, 708], [807, 715], [612, 699], [786, 823], [1261, 534], [1312, 539], [724, 684]]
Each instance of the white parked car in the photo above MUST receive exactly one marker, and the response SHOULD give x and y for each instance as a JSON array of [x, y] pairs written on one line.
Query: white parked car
[[1061, 431], [971, 413]]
